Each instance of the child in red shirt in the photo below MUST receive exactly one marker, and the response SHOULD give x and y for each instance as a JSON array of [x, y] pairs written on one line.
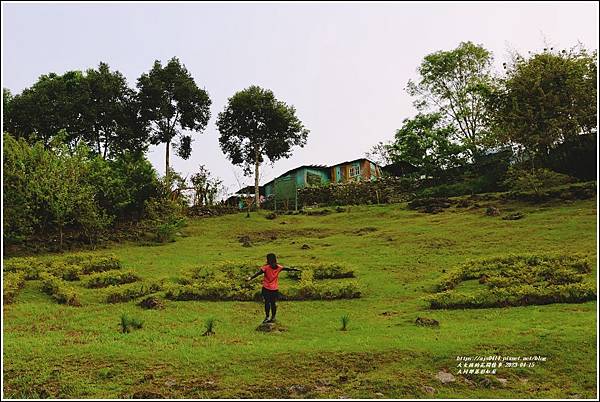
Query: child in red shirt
[[270, 289]]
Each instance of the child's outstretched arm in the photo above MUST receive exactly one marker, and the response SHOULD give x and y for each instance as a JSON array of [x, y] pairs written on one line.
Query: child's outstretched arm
[[260, 272]]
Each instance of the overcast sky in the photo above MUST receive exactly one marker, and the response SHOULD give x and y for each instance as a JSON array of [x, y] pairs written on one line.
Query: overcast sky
[[343, 66]]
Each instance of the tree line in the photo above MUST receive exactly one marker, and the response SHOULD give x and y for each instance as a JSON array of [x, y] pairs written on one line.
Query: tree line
[[541, 107]]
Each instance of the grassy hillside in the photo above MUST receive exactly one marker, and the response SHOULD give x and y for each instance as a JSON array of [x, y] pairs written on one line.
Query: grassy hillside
[[398, 255]]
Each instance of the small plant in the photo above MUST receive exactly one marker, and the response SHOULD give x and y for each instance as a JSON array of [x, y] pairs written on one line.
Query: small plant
[[345, 320], [127, 323], [209, 326]]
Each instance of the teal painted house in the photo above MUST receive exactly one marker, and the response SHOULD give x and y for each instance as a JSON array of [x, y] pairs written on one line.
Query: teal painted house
[[284, 187]]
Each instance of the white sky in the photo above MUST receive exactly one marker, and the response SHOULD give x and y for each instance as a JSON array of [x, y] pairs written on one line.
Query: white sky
[[344, 66]]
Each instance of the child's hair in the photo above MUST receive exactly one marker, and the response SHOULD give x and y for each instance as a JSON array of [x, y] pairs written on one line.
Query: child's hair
[[272, 260]]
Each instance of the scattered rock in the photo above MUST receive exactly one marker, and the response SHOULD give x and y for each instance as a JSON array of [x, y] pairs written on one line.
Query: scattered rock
[[147, 395], [514, 216], [245, 240], [151, 302], [502, 381], [389, 313], [321, 212], [445, 377], [364, 230], [379, 394], [431, 205], [485, 382], [298, 389], [340, 209], [428, 390], [465, 203], [305, 247], [271, 215], [427, 322], [270, 327], [492, 211]]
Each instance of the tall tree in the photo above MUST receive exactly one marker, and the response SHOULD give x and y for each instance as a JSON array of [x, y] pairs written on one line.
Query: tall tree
[[425, 141], [546, 99], [455, 83], [255, 125], [111, 115], [170, 102], [53, 104]]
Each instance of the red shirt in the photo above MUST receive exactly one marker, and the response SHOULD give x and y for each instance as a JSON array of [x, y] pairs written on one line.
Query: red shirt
[[270, 278]]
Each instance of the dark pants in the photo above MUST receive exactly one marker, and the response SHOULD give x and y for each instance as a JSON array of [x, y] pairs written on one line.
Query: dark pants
[[271, 297]]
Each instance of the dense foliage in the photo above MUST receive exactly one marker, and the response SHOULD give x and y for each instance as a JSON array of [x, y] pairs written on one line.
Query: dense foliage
[[51, 193], [517, 280]]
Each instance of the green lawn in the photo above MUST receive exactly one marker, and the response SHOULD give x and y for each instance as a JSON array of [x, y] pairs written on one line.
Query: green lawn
[[78, 352]]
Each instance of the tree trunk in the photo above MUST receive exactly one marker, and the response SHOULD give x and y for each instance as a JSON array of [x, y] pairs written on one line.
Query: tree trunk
[[256, 190], [167, 178]]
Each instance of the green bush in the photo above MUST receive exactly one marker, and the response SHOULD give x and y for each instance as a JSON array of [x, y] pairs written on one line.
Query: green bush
[[109, 278], [322, 271], [125, 294], [59, 290], [69, 268], [522, 295], [164, 218], [575, 191], [517, 280], [519, 179], [128, 323], [12, 283]]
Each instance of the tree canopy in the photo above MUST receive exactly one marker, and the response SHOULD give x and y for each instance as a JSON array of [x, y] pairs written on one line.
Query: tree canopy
[[546, 99], [254, 126], [454, 83], [170, 101]]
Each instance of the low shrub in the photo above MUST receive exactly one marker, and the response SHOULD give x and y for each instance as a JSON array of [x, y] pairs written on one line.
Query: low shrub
[[69, 268], [59, 290], [30, 267], [345, 319], [122, 295], [516, 296], [110, 278], [128, 323], [519, 179], [12, 283], [209, 326], [575, 191], [517, 280], [322, 271]]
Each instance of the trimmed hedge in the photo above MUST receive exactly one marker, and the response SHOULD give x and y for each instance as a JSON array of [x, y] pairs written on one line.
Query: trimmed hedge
[[381, 191], [69, 268], [59, 290], [576, 191], [516, 296], [323, 271], [110, 278], [225, 291], [12, 283], [203, 283], [125, 294], [517, 280]]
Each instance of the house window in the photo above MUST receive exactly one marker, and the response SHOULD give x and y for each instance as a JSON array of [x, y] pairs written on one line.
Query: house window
[[354, 170]]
